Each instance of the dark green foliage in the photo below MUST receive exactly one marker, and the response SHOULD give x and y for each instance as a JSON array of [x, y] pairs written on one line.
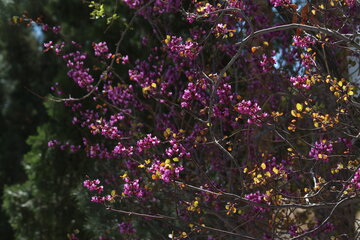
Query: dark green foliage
[[44, 206], [41, 204]]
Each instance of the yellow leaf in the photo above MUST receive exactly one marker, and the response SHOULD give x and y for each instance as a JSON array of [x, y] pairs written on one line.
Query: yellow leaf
[[124, 176], [145, 90], [299, 107], [167, 40], [263, 165], [275, 170]]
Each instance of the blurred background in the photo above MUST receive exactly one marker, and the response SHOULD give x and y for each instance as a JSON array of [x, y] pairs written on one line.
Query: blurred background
[[40, 188]]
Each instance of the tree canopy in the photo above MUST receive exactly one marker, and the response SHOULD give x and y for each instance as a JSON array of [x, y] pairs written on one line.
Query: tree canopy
[[187, 119]]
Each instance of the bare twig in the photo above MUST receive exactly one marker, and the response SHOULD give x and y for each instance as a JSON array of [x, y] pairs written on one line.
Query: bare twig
[[158, 216]]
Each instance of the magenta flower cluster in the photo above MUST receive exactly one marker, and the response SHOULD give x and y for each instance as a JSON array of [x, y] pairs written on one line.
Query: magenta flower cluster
[[147, 143], [226, 96], [253, 110], [54, 29], [158, 7], [179, 49], [257, 197], [350, 3], [121, 150], [278, 3], [221, 30], [66, 146], [148, 76], [132, 188], [303, 41], [100, 199], [101, 50], [133, 3], [176, 149], [165, 170], [93, 185], [267, 63], [126, 228], [57, 47], [194, 91], [355, 181], [300, 82], [78, 72], [321, 150]]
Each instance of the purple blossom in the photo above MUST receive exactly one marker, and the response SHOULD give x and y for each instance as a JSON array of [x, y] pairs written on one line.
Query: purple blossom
[[80, 74], [122, 150], [355, 181], [267, 63], [147, 142], [278, 3], [45, 27], [257, 197], [92, 185], [132, 188], [165, 170], [53, 143], [179, 49], [301, 82], [101, 50], [126, 228], [56, 29], [321, 150], [100, 199], [303, 41], [253, 110]]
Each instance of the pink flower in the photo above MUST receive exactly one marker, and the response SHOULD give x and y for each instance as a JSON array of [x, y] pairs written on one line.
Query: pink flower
[[278, 3]]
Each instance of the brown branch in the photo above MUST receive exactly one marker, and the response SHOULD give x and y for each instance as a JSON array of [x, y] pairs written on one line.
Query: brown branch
[[226, 232], [345, 201], [158, 216], [301, 26]]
